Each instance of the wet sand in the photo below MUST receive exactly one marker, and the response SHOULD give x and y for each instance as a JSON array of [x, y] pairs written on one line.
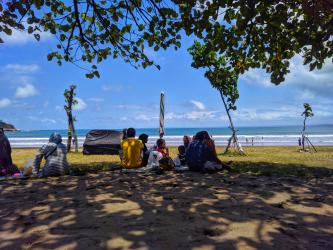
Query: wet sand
[[110, 210]]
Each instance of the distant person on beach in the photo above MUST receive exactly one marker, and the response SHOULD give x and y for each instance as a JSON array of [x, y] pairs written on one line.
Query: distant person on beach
[[55, 155], [299, 141], [145, 151], [131, 150], [186, 141], [200, 157], [6, 164]]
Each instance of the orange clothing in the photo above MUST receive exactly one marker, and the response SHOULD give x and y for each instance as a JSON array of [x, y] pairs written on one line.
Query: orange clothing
[[132, 149]]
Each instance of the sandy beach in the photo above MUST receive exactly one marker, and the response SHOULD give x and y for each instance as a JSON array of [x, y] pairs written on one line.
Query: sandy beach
[[113, 210]]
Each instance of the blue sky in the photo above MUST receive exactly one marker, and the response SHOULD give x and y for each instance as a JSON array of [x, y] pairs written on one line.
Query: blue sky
[[31, 92]]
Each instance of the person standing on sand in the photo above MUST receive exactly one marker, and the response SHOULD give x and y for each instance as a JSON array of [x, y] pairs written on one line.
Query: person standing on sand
[[55, 155], [131, 150]]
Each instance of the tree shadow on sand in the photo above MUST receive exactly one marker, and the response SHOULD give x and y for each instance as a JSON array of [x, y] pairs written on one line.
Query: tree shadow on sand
[[112, 210]]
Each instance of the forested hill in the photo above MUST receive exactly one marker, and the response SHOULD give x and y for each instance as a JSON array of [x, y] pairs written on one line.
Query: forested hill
[[7, 126]]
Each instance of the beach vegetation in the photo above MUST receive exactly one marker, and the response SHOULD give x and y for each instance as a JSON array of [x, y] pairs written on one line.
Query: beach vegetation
[[306, 113], [274, 160], [7, 126], [223, 78], [248, 34], [70, 101]]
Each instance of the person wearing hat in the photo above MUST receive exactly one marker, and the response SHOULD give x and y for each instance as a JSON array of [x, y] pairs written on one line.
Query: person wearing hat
[[55, 155]]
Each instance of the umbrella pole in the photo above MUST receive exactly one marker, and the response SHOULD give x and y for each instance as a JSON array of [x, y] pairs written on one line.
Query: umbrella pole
[[162, 104]]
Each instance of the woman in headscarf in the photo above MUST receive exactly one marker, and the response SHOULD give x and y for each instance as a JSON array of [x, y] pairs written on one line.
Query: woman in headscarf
[[6, 163], [211, 145], [55, 158]]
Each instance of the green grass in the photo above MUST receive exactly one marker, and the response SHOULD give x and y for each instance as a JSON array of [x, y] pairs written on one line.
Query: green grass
[[259, 160]]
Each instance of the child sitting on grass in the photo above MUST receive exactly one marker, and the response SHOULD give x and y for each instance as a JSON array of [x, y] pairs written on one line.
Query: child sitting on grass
[[161, 147], [180, 160], [166, 162]]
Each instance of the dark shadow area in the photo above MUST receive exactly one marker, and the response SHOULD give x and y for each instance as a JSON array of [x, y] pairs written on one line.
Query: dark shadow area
[[269, 168], [111, 210]]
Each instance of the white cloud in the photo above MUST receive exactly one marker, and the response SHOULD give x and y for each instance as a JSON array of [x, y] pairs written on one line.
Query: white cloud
[[198, 105], [81, 105], [127, 106], [58, 107], [283, 113], [27, 90], [257, 76], [144, 117], [96, 99], [22, 68], [42, 119], [314, 83], [22, 37], [5, 102], [193, 115], [113, 88]]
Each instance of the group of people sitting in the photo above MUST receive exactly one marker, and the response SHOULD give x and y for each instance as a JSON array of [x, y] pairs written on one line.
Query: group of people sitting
[[196, 154]]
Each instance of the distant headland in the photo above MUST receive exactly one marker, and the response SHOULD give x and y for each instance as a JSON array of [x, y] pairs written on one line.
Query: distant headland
[[7, 126]]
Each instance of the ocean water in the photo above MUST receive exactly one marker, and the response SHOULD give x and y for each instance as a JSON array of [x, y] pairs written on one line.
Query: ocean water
[[321, 135]]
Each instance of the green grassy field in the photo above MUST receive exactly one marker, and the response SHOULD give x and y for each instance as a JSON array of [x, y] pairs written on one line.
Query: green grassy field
[[260, 160]]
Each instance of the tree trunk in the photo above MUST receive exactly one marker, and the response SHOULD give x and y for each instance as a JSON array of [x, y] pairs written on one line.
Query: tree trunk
[[69, 131], [75, 138], [233, 130], [229, 143], [70, 119], [303, 134]]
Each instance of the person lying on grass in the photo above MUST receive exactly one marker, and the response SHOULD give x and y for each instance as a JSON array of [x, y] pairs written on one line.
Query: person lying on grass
[[55, 155], [131, 150]]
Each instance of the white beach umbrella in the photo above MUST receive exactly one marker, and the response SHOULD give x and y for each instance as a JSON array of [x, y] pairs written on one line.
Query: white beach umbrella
[[162, 104]]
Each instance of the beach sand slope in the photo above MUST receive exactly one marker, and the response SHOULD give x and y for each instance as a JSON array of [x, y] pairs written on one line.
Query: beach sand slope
[[110, 210]]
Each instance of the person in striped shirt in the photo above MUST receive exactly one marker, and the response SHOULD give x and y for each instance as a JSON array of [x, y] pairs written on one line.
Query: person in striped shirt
[[55, 155]]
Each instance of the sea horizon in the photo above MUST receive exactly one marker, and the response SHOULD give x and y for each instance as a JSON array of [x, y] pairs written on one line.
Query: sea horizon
[[287, 135]]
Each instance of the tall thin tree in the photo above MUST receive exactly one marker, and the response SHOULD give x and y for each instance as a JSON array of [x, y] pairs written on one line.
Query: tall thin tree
[[222, 78], [306, 113], [70, 101]]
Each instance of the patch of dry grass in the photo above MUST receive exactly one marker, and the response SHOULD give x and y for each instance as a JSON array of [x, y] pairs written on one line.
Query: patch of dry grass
[[262, 160]]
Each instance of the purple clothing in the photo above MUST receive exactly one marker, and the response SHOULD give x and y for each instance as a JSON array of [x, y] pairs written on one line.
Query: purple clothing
[[5, 151], [6, 163]]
